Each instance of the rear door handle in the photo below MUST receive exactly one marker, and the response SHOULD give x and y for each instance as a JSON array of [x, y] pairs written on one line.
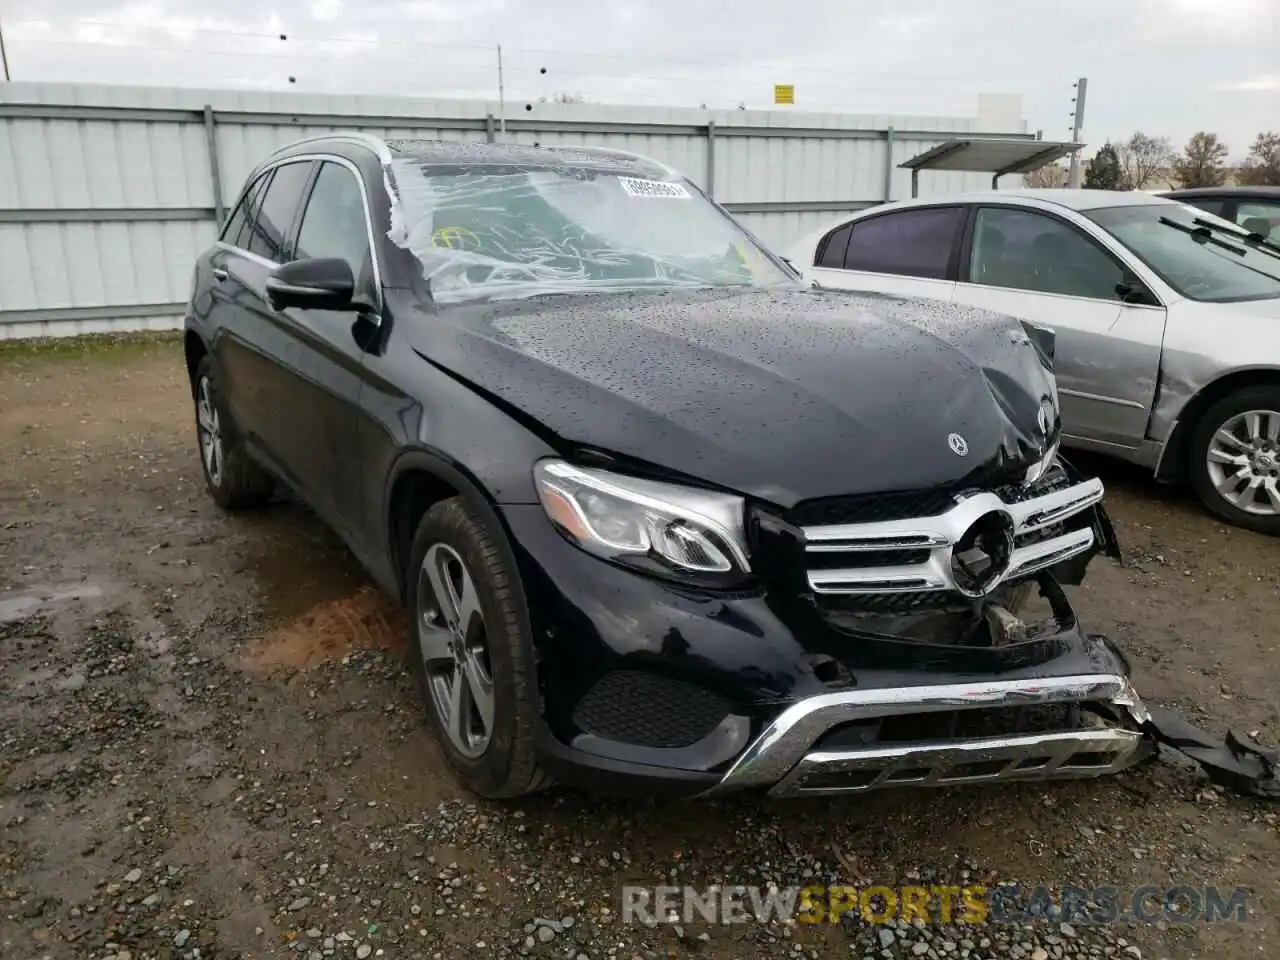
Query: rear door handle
[[219, 273]]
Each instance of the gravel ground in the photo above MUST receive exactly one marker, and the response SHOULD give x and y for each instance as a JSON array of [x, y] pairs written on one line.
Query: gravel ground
[[210, 745]]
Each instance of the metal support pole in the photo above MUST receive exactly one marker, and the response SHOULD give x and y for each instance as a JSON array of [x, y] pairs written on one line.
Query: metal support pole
[[4, 57], [215, 171], [502, 98], [488, 128], [995, 182], [888, 164], [711, 159], [915, 182], [1073, 175]]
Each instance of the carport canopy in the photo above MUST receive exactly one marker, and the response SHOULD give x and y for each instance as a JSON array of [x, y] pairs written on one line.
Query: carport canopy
[[995, 155]]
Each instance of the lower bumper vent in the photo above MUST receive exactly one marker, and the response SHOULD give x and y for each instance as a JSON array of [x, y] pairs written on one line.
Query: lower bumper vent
[[649, 710]]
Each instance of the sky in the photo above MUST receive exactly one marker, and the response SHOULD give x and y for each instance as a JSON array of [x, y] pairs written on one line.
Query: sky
[[1165, 67]]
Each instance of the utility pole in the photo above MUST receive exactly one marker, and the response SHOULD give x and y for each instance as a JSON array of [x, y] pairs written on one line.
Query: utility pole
[[502, 98], [1073, 176], [4, 57]]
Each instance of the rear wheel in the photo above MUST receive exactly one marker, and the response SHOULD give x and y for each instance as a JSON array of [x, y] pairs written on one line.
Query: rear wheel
[[471, 658], [235, 482], [1235, 458]]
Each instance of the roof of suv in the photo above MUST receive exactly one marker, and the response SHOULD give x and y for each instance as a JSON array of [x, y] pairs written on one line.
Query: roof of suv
[[463, 152]]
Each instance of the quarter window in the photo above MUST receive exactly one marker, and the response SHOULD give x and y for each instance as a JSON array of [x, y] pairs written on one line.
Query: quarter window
[[1029, 251], [278, 209], [834, 247], [914, 243], [235, 232], [333, 224]]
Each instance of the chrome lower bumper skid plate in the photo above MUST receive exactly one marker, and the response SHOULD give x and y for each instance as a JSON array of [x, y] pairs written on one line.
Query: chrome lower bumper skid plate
[[785, 758]]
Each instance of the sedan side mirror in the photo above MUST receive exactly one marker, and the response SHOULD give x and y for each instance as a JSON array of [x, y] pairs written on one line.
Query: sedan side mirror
[[322, 284], [1134, 291]]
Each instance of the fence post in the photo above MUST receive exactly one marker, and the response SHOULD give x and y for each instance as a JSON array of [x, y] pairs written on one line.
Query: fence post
[[888, 164], [215, 172], [488, 128], [711, 159]]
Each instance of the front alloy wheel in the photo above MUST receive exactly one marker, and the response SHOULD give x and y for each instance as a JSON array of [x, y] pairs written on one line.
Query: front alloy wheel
[[1235, 458], [453, 641], [1244, 462]]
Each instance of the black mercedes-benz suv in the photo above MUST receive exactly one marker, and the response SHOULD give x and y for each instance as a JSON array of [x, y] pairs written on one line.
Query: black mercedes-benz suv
[[662, 516]]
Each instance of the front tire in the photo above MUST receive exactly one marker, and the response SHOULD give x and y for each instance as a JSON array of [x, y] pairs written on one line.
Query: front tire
[[471, 658], [235, 482], [1235, 459]]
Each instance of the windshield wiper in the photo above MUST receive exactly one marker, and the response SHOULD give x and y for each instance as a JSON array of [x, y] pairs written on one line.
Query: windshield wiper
[[1255, 240], [1204, 234]]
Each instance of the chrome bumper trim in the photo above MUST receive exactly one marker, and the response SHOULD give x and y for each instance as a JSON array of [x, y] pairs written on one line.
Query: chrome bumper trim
[[789, 739], [1049, 756], [938, 536]]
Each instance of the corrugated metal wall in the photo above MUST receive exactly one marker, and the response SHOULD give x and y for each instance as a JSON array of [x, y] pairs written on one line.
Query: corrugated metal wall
[[107, 194]]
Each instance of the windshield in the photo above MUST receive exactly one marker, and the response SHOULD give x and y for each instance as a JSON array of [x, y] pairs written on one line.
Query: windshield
[[1215, 266], [501, 232]]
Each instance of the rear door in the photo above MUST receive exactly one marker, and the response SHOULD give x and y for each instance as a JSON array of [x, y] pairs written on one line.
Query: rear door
[[907, 252], [1045, 269]]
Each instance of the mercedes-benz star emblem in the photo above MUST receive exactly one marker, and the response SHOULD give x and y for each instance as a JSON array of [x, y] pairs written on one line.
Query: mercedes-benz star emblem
[[959, 446], [981, 557]]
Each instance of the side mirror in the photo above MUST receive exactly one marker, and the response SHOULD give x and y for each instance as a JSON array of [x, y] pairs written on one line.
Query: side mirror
[[1134, 291], [323, 284]]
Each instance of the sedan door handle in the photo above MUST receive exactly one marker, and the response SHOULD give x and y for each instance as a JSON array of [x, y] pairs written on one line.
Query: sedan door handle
[[219, 273]]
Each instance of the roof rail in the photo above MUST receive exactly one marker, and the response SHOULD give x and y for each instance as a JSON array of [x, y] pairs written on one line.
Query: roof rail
[[376, 144]]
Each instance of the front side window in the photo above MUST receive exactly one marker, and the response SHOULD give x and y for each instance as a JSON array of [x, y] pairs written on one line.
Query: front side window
[[333, 224], [1260, 217], [913, 243], [510, 230], [278, 207], [1025, 250], [1208, 263]]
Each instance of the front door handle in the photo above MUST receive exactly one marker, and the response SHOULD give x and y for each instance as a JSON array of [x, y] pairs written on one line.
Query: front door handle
[[220, 273]]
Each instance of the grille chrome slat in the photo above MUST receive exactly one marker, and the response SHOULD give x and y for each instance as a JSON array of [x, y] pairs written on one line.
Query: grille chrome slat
[[940, 534]]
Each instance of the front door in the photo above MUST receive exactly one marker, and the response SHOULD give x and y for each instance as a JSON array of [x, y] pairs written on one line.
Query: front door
[[1045, 270]]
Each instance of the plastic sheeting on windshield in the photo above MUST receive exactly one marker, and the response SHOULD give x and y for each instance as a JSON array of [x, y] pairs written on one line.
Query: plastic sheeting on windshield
[[502, 232]]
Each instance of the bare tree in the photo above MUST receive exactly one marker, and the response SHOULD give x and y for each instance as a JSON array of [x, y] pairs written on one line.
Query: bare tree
[[1143, 158], [1203, 162], [1262, 167], [1051, 175]]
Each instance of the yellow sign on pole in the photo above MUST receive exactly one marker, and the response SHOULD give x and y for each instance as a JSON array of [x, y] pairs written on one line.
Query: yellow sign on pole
[[784, 93]]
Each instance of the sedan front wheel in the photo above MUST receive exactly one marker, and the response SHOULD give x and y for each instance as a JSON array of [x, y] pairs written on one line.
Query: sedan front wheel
[[1235, 458]]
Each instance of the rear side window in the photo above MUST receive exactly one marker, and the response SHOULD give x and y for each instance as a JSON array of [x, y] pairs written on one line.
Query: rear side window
[[277, 211], [831, 249], [913, 243], [236, 230]]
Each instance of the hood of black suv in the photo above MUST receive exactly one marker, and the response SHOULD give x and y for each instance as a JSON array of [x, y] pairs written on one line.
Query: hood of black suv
[[784, 396]]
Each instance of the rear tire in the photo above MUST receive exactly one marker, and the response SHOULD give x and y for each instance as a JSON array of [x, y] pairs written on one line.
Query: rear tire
[[1234, 459], [235, 482], [471, 658]]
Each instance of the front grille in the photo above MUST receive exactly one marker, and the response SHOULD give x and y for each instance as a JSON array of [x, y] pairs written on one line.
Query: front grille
[[972, 546], [649, 710], [872, 508]]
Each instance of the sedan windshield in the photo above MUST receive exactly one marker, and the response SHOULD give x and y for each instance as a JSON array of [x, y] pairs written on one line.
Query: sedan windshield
[[1213, 265], [501, 232]]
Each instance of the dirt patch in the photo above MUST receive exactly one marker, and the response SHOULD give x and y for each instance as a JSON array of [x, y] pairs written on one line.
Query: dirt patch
[[209, 740], [330, 631]]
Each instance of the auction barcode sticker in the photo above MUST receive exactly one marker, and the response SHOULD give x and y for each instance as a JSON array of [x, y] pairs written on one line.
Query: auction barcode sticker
[[660, 189]]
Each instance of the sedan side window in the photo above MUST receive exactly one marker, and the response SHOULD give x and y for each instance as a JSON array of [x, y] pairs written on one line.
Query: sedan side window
[[270, 231], [1214, 205], [334, 223], [913, 243], [1025, 250], [833, 246], [1259, 217]]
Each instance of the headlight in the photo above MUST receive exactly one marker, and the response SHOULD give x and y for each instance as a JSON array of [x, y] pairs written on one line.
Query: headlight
[[1053, 438], [658, 527]]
